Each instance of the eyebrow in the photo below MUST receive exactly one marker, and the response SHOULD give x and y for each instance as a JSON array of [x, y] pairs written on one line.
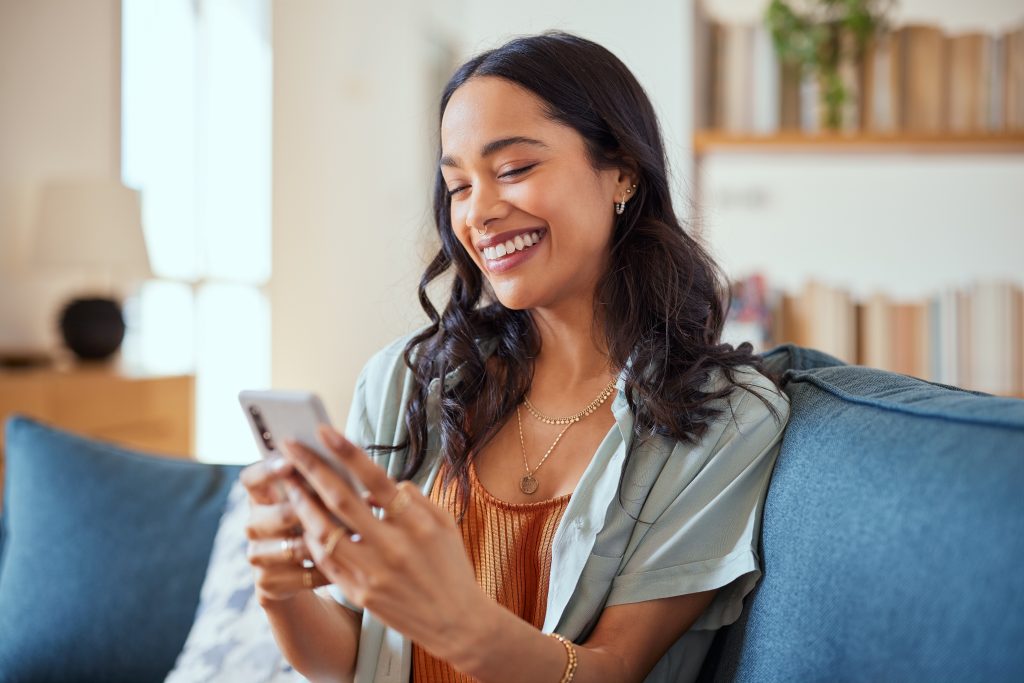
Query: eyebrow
[[495, 146]]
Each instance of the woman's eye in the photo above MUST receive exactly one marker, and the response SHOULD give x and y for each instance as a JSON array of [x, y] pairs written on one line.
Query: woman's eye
[[456, 190], [516, 171]]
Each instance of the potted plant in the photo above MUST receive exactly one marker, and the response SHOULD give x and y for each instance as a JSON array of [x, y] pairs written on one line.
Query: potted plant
[[820, 36]]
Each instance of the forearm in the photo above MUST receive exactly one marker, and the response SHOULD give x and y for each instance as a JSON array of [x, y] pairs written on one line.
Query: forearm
[[318, 636], [499, 637]]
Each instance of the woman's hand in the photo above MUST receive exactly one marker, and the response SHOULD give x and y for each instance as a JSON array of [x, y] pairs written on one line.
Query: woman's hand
[[276, 547], [410, 568]]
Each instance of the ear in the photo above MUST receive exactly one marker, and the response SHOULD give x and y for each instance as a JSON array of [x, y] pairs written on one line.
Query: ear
[[627, 183]]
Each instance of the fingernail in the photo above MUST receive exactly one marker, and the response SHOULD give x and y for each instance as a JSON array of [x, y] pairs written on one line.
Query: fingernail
[[278, 465]]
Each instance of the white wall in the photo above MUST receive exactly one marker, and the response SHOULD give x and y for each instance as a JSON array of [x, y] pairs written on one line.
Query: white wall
[[350, 187], [59, 114], [355, 97], [903, 224]]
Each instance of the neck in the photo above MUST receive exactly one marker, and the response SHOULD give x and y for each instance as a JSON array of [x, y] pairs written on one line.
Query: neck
[[573, 358]]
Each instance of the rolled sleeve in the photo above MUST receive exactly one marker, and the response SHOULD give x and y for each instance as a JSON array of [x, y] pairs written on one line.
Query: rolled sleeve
[[708, 536]]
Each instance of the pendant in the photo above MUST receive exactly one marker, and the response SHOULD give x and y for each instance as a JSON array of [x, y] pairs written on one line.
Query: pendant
[[528, 484]]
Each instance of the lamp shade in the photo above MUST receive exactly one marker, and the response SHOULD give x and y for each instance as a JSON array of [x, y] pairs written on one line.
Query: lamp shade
[[91, 223]]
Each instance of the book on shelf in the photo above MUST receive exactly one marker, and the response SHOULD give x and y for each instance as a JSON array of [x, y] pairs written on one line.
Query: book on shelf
[[971, 336], [915, 78]]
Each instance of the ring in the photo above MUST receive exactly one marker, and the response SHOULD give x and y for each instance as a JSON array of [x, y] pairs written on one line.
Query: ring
[[307, 578], [288, 548], [332, 540], [398, 504]]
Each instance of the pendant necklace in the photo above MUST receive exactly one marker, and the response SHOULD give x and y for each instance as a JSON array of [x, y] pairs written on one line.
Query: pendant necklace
[[528, 483]]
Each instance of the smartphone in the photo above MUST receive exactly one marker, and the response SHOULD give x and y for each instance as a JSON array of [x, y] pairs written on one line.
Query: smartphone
[[279, 416]]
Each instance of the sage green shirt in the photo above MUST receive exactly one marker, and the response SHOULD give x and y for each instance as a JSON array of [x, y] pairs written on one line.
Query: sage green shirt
[[699, 510]]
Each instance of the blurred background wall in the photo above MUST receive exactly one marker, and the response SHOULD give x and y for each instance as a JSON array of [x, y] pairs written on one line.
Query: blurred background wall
[[296, 273]]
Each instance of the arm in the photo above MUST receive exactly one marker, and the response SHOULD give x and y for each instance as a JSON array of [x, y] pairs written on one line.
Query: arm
[[317, 635], [625, 645]]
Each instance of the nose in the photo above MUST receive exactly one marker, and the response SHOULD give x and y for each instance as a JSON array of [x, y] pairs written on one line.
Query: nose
[[484, 206]]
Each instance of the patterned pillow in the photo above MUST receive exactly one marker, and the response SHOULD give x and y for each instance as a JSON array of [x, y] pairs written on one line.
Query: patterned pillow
[[231, 638]]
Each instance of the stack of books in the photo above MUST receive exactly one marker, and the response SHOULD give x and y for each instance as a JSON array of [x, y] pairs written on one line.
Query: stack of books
[[971, 337]]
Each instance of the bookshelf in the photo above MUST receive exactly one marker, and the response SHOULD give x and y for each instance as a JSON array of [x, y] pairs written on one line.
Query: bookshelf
[[752, 109], [713, 141]]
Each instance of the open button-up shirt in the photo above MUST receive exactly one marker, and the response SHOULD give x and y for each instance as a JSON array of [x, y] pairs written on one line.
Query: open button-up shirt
[[688, 518]]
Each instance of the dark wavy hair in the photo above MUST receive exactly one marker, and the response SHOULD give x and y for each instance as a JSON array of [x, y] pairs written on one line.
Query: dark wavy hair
[[661, 303]]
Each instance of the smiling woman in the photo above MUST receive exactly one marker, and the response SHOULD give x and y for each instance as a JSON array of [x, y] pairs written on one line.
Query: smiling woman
[[568, 465]]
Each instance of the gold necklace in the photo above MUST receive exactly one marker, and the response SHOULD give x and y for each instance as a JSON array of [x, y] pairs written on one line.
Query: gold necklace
[[528, 483]]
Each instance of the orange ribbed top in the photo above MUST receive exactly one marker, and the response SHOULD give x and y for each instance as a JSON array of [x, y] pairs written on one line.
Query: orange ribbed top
[[509, 545]]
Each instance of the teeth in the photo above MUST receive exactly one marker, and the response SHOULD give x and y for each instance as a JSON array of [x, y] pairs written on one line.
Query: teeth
[[519, 243]]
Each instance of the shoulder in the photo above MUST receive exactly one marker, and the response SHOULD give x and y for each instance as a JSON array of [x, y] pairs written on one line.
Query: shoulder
[[385, 375], [754, 398]]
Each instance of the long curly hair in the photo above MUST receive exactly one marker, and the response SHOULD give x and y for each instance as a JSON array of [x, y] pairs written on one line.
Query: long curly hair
[[661, 303]]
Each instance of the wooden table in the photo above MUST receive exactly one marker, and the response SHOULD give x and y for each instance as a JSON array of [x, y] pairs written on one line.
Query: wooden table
[[145, 412]]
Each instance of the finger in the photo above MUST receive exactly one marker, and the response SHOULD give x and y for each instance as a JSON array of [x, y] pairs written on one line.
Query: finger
[[334, 492], [281, 585], [259, 477], [272, 521], [318, 524], [278, 552], [380, 487]]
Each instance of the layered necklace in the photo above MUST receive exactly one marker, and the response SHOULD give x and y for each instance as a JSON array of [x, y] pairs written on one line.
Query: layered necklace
[[528, 484]]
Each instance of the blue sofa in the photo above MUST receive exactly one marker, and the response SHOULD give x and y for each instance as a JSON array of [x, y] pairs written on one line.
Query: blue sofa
[[892, 538]]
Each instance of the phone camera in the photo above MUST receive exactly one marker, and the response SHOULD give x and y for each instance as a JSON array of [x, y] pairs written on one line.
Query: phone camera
[[265, 435]]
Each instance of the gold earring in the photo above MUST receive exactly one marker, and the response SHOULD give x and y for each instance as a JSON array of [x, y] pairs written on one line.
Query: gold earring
[[620, 207]]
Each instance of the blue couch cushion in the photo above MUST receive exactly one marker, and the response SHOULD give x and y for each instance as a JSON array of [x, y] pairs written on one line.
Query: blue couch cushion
[[105, 554], [792, 357], [892, 538]]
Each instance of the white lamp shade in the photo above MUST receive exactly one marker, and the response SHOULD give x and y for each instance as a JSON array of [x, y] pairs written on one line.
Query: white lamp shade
[[91, 223]]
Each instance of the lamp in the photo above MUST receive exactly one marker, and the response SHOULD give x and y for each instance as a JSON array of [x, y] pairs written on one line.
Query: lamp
[[92, 224]]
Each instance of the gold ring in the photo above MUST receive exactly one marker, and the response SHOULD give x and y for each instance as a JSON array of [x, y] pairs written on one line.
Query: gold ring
[[332, 540], [288, 548], [398, 504], [307, 578]]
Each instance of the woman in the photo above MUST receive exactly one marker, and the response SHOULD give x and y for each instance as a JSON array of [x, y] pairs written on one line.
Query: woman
[[582, 462]]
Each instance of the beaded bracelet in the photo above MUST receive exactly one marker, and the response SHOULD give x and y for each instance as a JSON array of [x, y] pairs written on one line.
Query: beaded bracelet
[[570, 651]]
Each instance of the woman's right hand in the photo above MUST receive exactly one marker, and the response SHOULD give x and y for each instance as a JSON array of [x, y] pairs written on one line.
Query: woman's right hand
[[276, 549]]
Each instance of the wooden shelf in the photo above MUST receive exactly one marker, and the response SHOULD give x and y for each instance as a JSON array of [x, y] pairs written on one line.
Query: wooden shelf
[[705, 142]]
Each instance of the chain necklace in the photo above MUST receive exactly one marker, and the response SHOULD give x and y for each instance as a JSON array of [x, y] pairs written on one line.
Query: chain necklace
[[528, 484]]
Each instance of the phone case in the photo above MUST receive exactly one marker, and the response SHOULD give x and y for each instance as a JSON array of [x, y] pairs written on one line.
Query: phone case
[[278, 416]]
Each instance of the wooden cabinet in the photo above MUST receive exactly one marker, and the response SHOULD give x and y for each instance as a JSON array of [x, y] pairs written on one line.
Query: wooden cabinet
[[148, 413]]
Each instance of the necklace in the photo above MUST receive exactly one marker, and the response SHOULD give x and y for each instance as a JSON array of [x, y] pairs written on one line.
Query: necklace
[[528, 484]]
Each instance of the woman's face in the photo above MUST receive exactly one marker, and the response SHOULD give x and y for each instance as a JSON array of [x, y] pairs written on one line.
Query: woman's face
[[527, 181]]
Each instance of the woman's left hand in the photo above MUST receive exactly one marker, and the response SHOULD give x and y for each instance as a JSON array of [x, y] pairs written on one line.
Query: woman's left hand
[[410, 568]]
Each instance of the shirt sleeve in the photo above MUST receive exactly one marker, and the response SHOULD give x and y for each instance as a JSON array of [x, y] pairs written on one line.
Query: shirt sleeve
[[359, 431], [707, 537]]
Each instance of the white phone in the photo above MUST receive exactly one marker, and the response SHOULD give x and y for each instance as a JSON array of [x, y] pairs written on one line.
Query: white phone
[[277, 416]]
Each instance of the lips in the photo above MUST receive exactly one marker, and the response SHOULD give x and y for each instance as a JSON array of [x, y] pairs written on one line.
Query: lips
[[507, 244]]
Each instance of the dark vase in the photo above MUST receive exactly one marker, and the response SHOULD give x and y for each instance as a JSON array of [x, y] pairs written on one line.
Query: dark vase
[[93, 328]]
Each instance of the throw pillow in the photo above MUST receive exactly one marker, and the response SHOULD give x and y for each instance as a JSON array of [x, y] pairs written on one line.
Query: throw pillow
[[231, 638], [104, 555]]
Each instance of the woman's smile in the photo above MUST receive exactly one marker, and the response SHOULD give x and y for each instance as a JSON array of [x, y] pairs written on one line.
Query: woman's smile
[[502, 255]]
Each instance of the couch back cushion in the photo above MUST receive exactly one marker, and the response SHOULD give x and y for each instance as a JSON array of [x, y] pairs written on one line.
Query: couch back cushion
[[892, 537], [104, 556]]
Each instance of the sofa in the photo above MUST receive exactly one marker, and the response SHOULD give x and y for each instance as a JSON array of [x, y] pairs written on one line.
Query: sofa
[[892, 541]]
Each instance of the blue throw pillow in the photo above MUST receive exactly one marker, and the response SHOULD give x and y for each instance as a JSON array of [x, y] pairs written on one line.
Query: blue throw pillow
[[104, 557]]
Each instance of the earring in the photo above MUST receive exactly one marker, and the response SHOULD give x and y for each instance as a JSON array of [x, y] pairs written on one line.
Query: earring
[[620, 207]]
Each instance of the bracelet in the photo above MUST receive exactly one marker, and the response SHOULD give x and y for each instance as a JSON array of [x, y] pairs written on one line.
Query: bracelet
[[570, 651]]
